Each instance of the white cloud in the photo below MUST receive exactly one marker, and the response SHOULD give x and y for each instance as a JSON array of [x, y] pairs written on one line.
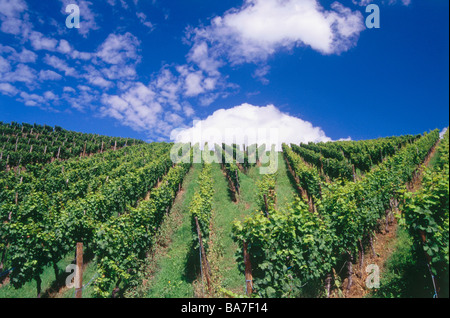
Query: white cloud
[[173, 118], [99, 81], [8, 89], [25, 56], [122, 2], [122, 72], [255, 32], [85, 56], [261, 28], [197, 83], [136, 108], [119, 49], [188, 111], [84, 98], [84, 88], [209, 83], [48, 95], [12, 26], [49, 75], [260, 74], [5, 66], [154, 108], [67, 89], [12, 8], [41, 42], [384, 2], [143, 19], [404, 2], [193, 84], [22, 73], [362, 2], [64, 47], [12, 17], [32, 99], [60, 65], [199, 54], [168, 86], [248, 124]]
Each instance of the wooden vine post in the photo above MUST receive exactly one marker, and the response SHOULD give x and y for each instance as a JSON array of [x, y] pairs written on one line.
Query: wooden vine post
[[248, 271], [79, 272], [204, 262], [266, 205], [237, 182], [350, 270], [423, 236], [361, 258], [328, 280]]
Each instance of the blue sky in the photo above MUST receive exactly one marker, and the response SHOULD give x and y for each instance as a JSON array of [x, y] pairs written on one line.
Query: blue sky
[[143, 69]]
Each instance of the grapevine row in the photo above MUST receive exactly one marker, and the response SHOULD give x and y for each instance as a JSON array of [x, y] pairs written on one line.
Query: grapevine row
[[267, 196], [297, 247], [25, 144], [230, 168], [201, 204], [340, 157], [307, 177], [426, 215], [121, 243], [44, 228]]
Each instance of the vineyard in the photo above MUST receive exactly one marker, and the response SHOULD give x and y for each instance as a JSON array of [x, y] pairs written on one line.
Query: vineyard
[[24, 144], [150, 227]]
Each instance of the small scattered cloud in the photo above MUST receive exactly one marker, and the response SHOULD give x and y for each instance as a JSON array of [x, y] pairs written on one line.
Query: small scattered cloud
[[22, 73], [8, 89], [49, 75], [119, 49], [200, 55], [32, 100], [25, 56], [13, 17], [5, 66], [60, 65], [123, 3], [68, 89], [260, 74], [40, 42], [50, 96], [64, 47], [194, 83], [383, 2], [143, 19], [136, 107]]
